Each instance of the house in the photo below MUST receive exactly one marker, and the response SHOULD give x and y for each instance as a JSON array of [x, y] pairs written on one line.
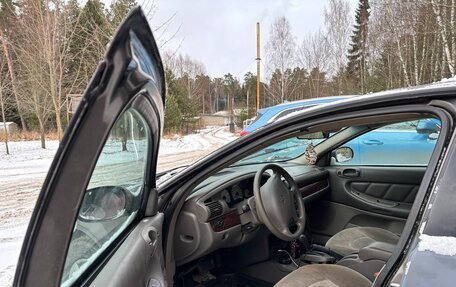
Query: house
[[10, 127]]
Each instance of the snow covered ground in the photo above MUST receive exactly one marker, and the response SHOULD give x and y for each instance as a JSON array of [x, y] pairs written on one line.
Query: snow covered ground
[[22, 174]]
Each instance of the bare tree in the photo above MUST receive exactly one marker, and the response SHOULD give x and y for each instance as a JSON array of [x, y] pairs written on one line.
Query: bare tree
[[4, 101], [280, 56], [314, 56], [447, 32], [37, 76], [337, 24]]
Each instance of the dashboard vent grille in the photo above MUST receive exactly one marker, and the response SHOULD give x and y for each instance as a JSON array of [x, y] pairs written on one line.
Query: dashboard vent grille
[[215, 209]]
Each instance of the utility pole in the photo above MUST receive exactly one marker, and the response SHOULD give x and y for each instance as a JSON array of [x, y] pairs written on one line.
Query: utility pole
[[258, 66]]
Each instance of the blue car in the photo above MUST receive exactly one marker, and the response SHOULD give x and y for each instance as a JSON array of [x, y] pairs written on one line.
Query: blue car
[[407, 143], [274, 113]]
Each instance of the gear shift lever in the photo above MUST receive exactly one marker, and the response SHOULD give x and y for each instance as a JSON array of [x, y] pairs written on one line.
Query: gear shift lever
[[316, 253], [305, 243]]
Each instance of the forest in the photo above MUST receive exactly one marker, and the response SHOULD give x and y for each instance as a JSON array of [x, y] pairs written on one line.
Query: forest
[[49, 50]]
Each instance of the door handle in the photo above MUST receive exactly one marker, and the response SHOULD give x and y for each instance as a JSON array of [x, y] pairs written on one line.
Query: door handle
[[349, 172], [150, 236], [373, 142]]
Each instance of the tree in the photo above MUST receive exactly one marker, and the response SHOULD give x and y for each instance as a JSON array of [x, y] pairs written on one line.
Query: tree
[[314, 55], [337, 23], [249, 89], [178, 106], [232, 89], [4, 101], [7, 18], [357, 54], [280, 56], [94, 34], [119, 9], [203, 85], [447, 31]]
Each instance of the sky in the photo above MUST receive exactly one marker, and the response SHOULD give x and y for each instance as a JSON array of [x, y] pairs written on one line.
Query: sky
[[222, 34]]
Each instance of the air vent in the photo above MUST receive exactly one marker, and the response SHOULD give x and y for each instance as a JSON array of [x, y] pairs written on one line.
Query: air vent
[[215, 209]]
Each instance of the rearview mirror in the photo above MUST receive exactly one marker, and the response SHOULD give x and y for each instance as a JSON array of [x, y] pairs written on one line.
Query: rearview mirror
[[315, 135], [343, 154], [103, 203]]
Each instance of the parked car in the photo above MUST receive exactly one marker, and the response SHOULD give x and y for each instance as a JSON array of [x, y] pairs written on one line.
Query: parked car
[[390, 138], [387, 145], [238, 217], [271, 114]]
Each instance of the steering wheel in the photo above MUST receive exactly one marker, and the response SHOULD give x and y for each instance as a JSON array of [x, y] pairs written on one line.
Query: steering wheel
[[279, 206]]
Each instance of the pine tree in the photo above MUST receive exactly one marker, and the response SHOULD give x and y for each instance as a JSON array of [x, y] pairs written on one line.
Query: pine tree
[[94, 36], [119, 9], [356, 67]]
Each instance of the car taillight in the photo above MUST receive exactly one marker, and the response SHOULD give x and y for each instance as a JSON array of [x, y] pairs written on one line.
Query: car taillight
[[244, 133]]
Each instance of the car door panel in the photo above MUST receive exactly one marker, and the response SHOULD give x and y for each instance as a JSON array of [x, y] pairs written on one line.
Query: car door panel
[[139, 260], [328, 218], [121, 82], [387, 190], [366, 196]]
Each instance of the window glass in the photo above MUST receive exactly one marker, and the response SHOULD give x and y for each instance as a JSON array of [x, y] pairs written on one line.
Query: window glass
[[112, 198], [409, 143], [284, 150]]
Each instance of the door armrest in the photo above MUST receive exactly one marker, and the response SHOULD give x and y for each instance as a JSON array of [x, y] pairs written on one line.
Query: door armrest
[[378, 250]]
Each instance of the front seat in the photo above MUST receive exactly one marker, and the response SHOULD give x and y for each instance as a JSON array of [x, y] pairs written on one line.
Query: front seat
[[351, 240], [324, 275]]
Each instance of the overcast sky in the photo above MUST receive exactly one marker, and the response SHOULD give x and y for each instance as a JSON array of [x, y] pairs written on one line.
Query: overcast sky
[[221, 34]]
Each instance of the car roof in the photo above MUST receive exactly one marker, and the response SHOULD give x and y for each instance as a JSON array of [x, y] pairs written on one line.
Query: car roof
[[306, 102]]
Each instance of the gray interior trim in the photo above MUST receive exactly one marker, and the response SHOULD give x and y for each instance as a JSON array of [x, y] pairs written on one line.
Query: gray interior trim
[[385, 190], [139, 260]]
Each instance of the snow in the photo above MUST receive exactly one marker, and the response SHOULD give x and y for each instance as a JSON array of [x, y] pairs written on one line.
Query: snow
[[26, 159], [195, 141], [442, 245], [23, 171]]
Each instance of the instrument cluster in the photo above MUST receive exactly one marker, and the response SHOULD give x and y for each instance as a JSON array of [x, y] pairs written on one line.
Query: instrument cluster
[[237, 192]]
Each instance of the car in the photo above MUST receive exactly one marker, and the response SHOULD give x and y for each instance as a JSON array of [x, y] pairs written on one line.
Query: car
[[390, 137], [271, 114], [255, 212]]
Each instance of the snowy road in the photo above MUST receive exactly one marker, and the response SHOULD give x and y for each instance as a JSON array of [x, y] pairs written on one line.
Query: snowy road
[[22, 174]]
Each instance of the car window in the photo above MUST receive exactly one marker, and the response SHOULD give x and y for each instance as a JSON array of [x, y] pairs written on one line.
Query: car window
[[113, 195], [408, 143]]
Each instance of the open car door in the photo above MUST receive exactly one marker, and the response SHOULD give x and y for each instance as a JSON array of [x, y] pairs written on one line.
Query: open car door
[[96, 220]]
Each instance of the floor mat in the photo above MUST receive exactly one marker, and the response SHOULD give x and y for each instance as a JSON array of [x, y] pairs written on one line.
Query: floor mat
[[237, 280]]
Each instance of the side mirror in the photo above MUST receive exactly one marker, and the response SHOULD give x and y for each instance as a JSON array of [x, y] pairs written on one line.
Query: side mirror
[[103, 203], [428, 126], [343, 154]]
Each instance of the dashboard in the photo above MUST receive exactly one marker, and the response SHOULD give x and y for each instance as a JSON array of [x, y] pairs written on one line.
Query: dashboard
[[220, 212], [238, 191]]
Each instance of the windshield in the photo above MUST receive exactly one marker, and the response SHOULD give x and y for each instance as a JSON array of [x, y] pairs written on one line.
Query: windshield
[[285, 150]]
